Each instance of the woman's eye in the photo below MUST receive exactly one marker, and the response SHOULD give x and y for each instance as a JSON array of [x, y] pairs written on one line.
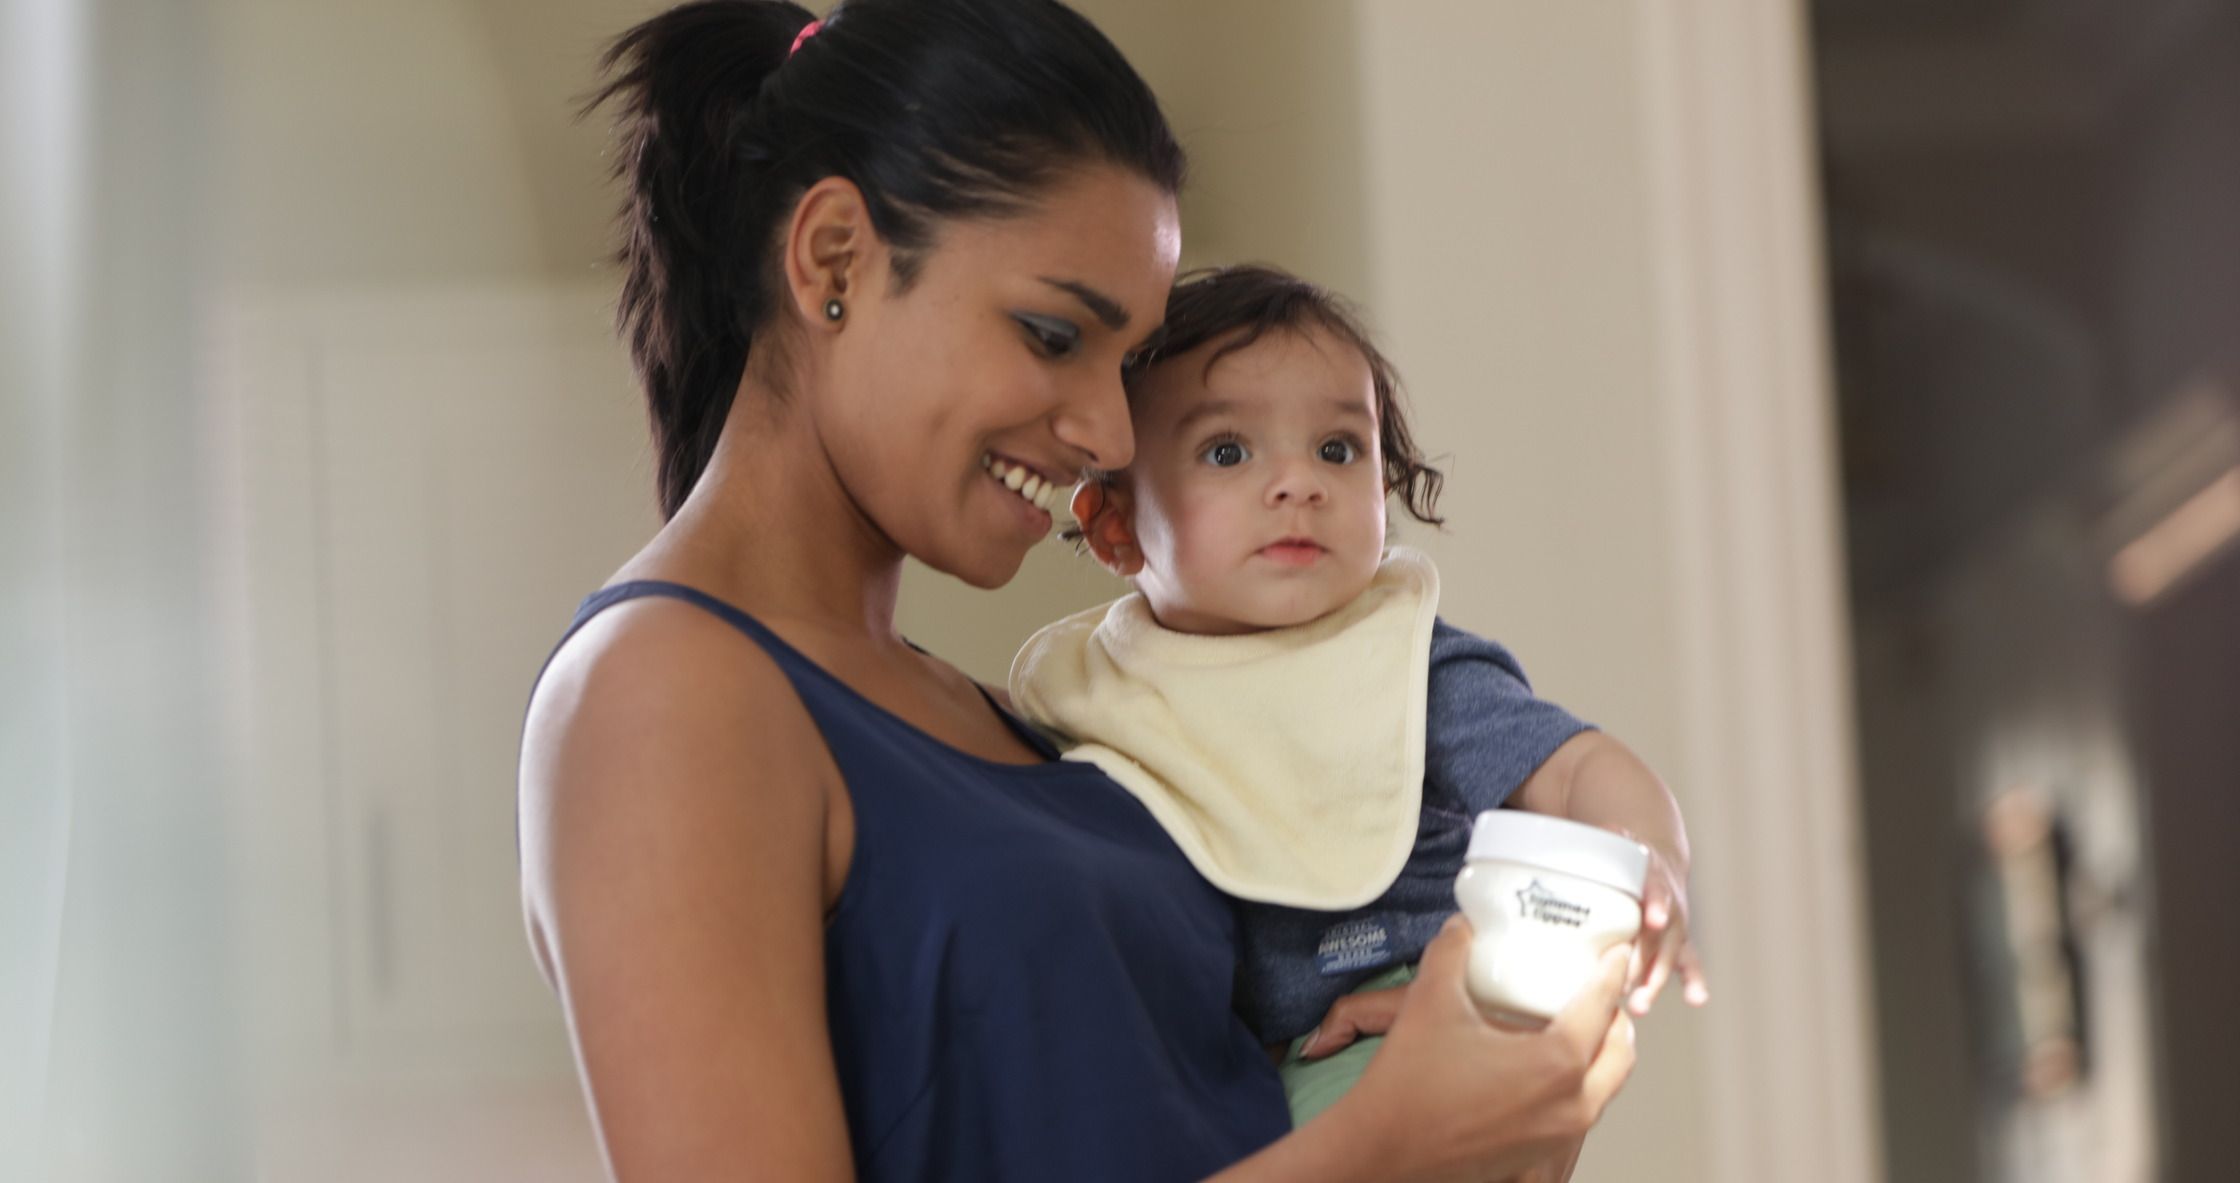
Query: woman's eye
[[1052, 338], [1225, 454], [1339, 451]]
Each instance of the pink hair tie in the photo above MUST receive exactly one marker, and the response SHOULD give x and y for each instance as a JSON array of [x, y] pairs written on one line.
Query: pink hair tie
[[807, 31]]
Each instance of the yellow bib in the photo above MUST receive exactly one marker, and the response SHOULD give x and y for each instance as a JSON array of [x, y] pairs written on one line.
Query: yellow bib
[[1288, 765]]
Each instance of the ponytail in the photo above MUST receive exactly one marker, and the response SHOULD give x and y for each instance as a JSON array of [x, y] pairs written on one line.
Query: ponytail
[[684, 85]]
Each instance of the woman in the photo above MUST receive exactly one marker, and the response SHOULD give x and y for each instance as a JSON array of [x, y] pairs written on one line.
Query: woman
[[816, 905]]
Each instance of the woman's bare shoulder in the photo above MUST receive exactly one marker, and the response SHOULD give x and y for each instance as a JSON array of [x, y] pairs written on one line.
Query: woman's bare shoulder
[[655, 664], [674, 840], [662, 721], [657, 700]]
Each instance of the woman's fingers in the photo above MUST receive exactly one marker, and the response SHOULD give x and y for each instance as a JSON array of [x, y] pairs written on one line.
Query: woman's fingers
[[1557, 1167], [1445, 958], [1516, 1097], [1612, 1065], [1586, 1023]]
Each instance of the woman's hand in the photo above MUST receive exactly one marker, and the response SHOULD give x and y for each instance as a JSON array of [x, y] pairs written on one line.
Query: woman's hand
[[1557, 1169], [1451, 1095]]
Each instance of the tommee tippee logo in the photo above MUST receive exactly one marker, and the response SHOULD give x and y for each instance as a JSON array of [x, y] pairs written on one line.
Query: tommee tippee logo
[[1536, 902]]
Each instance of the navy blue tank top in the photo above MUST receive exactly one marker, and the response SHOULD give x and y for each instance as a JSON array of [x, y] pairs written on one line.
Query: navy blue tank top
[[1025, 979]]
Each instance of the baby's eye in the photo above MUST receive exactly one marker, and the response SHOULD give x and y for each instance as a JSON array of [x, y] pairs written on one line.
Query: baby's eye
[[1225, 454], [1339, 451]]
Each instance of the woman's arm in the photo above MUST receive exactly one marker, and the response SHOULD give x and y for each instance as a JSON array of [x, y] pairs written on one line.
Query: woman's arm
[[674, 802], [1452, 1096]]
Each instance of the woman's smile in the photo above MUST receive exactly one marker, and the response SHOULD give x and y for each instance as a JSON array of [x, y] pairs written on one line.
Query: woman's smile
[[1029, 496]]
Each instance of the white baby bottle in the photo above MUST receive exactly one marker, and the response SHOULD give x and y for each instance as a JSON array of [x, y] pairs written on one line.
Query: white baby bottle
[[1545, 897]]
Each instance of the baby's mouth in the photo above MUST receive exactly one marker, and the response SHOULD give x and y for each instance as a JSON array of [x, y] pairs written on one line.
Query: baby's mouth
[[1044, 495], [1293, 550]]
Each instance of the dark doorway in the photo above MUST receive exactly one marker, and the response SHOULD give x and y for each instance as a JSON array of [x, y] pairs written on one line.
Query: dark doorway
[[2034, 260]]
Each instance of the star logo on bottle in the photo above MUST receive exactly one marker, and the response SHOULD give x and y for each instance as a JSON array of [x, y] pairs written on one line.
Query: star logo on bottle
[[1538, 903]]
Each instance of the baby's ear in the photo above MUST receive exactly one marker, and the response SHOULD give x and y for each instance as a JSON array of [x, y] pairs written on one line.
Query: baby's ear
[[1108, 525]]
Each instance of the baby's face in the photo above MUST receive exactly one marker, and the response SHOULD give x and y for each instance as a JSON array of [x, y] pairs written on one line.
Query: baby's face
[[1257, 493]]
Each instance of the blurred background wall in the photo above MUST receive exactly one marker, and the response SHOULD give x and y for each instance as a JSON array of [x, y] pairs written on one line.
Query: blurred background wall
[[39, 57], [2035, 278], [315, 432]]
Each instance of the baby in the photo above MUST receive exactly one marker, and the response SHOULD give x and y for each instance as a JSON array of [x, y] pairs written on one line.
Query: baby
[[1279, 691]]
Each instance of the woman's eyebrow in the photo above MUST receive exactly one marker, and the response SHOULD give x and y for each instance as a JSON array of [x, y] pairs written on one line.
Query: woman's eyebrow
[[1105, 308]]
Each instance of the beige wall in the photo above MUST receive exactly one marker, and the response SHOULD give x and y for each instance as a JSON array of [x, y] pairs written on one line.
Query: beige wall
[[1513, 277], [410, 141]]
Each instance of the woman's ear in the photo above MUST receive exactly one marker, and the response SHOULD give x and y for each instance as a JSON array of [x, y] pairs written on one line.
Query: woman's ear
[[827, 251], [1107, 522]]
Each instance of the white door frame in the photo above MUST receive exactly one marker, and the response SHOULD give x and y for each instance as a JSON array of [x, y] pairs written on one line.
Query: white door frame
[[1745, 387]]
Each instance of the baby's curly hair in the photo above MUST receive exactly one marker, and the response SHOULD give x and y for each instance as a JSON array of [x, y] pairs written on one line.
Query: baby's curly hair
[[1245, 302]]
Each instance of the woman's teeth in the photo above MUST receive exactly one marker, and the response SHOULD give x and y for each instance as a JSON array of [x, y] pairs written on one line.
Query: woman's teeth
[[1043, 495]]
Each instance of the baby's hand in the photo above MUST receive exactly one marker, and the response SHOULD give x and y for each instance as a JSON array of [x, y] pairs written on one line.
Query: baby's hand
[[1663, 946], [1353, 1017]]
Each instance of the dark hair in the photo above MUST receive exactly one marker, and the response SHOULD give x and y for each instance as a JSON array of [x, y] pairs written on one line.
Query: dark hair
[[934, 109], [1239, 305]]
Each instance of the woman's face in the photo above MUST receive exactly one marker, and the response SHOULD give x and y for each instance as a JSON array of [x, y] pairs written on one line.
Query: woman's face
[[1004, 353]]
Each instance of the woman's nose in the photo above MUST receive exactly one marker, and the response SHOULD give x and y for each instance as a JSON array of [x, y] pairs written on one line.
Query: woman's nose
[[1094, 422]]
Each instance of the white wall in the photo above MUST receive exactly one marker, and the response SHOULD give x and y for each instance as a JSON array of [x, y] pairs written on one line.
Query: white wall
[[431, 449], [139, 1081], [194, 993], [42, 52], [1515, 282]]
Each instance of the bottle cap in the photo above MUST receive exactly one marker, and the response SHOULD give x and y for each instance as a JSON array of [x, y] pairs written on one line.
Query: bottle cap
[[1558, 844]]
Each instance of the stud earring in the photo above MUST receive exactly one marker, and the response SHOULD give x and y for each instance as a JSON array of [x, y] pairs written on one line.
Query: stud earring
[[833, 310]]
